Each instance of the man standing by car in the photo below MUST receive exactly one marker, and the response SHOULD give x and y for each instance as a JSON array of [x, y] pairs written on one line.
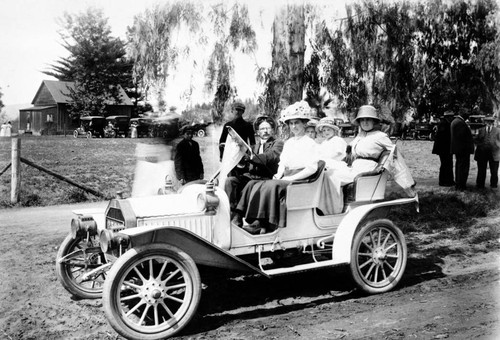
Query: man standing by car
[[261, 164], [442, 147], [462, 146], [188, 164], [487, 153], [243, 128]]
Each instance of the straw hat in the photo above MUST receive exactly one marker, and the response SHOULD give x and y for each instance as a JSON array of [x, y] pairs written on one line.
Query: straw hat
[[366, 111], [328, 122], [298, 110]]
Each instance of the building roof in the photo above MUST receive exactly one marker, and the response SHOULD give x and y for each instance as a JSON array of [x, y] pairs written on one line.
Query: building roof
[[60, 92], [38, 108]]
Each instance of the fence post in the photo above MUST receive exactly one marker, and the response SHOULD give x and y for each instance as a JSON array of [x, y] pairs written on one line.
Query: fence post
[[15, 181]]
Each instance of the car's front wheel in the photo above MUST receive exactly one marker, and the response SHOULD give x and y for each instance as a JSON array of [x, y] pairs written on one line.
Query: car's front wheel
[[378, 256], [152, 292], [75, 258]]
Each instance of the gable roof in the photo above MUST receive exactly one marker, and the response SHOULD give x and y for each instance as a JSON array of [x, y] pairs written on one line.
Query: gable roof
[[59, 90]]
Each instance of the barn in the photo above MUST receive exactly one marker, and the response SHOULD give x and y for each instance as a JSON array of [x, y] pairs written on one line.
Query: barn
[[49, 113]]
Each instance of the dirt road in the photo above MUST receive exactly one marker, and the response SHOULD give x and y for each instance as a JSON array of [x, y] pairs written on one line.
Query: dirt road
[[455, 297]]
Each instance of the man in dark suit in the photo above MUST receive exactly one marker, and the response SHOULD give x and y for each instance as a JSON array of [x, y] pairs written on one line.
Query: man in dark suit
[[243, 128], [442, 147], [188, 164], [261, 164], [487, 153], [462, 146]]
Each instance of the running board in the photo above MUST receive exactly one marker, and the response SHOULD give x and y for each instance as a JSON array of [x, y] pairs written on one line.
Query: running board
[[300, 267]]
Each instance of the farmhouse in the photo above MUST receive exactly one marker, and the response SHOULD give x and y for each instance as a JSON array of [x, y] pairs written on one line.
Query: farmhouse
[[49, 113]]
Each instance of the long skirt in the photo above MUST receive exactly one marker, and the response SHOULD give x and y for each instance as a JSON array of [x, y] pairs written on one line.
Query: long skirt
[[264, 200]]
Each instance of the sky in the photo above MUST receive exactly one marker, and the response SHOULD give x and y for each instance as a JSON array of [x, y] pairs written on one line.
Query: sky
[[30, 43]]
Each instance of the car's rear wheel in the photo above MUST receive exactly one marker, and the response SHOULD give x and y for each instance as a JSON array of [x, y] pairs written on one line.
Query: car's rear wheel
[[152, 292], [378, 256], [75, 133], [79, 257]]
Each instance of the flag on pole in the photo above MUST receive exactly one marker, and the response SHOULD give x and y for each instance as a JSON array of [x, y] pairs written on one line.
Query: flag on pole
[[235, 148], [396, 165]]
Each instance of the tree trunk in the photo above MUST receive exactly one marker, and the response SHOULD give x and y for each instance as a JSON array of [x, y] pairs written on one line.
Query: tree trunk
[[288, 54]]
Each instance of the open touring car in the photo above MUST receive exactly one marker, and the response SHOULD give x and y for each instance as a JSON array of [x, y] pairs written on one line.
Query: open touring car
[[144, 253]]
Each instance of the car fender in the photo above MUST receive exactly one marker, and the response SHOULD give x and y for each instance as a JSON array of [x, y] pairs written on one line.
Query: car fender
[[202, 251], [342, 243]]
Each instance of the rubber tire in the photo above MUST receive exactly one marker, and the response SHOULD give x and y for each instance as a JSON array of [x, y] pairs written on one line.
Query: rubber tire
[[386, 285], [201, 133], [75, 134], [124, 265], [89, 135], [67, 246]]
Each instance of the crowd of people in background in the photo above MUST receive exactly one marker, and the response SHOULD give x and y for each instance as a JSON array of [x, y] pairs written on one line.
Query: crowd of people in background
[[454, 137]]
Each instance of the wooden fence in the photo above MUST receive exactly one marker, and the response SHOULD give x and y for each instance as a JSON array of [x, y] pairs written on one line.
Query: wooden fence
[[15, 165]]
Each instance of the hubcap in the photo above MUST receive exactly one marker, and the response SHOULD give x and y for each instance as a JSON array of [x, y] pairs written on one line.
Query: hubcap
[[152, 292], [379, 255]]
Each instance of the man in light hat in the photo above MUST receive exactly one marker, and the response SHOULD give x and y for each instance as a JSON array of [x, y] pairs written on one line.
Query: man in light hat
[[442, 145], [487, 153], [243, 128]]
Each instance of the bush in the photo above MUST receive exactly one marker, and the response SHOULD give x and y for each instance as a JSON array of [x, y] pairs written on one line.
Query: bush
[[75, 196]]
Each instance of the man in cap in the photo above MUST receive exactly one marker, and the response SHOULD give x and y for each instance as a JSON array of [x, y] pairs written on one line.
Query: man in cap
[[442, 147], [261, 164], [243, 128], [487, 153], [188, 164], [462, 146]]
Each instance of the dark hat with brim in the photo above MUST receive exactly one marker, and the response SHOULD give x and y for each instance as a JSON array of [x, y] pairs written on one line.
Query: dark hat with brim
[[186, 128]]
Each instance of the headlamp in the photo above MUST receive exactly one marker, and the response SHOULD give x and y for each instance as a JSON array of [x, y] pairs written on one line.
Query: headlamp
[[82, 225]]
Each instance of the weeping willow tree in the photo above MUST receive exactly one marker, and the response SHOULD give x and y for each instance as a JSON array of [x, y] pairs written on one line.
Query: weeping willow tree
[[153, 48], [233, 33]]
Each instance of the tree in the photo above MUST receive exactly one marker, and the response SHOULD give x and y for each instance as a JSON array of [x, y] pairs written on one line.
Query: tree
[[460, 45], [152, 48], [233, 33], [284, 81], [1, 102], [96, 64]]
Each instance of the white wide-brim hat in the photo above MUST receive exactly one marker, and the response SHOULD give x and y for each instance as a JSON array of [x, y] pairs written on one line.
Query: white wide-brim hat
[[298, 110]]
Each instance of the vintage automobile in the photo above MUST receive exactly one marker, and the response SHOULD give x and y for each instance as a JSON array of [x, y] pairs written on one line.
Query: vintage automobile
[[116, 126], [90, 126], [200, 129], [141, 126], [151, 248], [347, 129]]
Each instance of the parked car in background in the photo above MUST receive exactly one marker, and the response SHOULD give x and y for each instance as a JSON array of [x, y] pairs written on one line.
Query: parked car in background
[[166, 127], [475, 123], [346, 128], [200, 129], [140, 127], [90, 126], [116, 126]]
